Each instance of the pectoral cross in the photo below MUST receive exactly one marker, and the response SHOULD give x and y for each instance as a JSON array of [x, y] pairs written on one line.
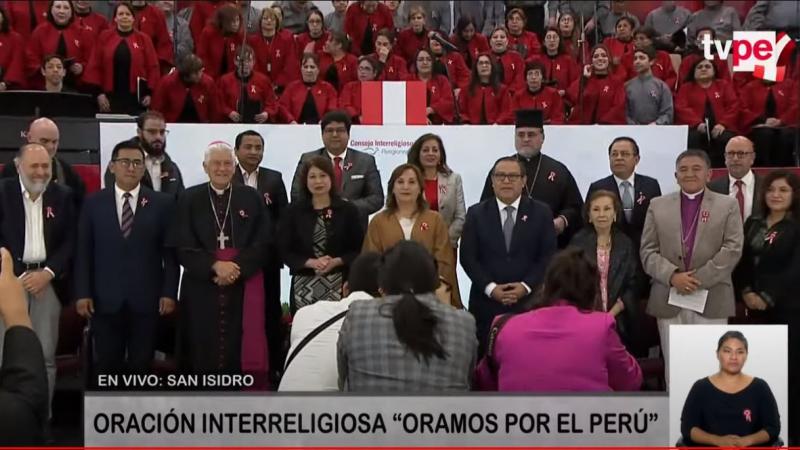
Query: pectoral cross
[[221, 240]]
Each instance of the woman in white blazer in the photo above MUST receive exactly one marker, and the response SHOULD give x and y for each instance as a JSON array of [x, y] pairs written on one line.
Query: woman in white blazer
[[443, 189]]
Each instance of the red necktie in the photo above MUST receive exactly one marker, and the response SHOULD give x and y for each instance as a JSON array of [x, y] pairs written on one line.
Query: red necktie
[[337, 172], [740, 195]]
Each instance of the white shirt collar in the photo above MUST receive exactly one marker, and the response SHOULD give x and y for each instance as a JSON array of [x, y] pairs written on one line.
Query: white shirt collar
[[134, 192], [219, 191], [692, 196], [245, 173], [629, 179], [155, 159], [502, 206], [343, 155], [748, 179]]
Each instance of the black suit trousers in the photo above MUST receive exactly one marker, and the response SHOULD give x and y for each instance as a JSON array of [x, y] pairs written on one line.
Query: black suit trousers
[[122, 332]]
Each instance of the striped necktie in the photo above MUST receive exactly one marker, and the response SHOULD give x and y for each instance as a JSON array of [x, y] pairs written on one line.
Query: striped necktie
[[126, 224]]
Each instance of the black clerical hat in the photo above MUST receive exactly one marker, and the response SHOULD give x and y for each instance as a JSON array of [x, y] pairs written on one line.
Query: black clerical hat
[[531, 118]]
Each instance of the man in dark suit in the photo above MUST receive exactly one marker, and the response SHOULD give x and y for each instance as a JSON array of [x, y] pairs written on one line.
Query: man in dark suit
[[37, 224], [125, 277], [357, 176], [23, 380], [161, 173], [741, 182], [269, 184], [634, 190], [44, 131], [506, 245]]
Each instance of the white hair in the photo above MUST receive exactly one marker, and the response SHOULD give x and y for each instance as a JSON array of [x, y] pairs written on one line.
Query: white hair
[[218, 146]]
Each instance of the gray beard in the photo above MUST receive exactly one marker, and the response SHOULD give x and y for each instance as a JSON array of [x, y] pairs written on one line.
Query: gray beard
[[528, 153], [35, 187]]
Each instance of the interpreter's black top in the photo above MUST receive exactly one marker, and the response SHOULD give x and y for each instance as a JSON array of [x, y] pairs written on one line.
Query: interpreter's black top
[[746, 412]]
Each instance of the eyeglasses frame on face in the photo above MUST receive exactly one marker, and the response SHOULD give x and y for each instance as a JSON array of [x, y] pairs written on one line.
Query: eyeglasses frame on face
[[512, 177], [126, 163], [738, 155]]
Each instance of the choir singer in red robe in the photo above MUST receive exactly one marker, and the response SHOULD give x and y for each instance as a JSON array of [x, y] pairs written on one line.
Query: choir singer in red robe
[[246, 95], [770, 113], [560, 68], [525, 42], [121, 58], [90, 22], [307, 100], [12, 56], [362, 21], [485, 101], [510, 63], [24, 16], [152, 22], [603, 98], [220, 41], [440, 99], [188, 95], [393, 66], [469, 42], [350, 97], [276, 54], [337, 66], [314, 38], [415, 37], [538, 96], [662, 66], [59, 35], [455, 67], [621, 44]]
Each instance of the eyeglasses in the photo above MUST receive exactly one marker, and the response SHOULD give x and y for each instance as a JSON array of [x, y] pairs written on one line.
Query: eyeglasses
[[163, 131], [126, 163], [500, 176], [739, 155]]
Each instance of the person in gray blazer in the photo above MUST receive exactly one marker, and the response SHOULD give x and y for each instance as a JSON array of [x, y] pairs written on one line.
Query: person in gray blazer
[[691, 242], [356, 173]]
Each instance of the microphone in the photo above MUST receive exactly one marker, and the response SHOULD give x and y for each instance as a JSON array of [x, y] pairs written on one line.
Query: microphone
[[441, 40]]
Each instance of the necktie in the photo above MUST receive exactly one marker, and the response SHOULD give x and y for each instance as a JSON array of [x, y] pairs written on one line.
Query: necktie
[[127, 215], [627, 200], [337, 172], [740, 196], [508, 226]]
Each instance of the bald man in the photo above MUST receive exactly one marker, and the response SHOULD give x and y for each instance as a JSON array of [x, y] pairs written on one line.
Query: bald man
[[740, 183], [45, 132], [37, 224]]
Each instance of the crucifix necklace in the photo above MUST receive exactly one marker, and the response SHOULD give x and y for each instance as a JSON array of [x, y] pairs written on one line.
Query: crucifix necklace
[[535, 176], [221, 238]]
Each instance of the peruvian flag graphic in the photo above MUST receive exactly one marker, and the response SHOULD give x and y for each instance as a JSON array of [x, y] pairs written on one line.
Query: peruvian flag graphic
[[393, 103]]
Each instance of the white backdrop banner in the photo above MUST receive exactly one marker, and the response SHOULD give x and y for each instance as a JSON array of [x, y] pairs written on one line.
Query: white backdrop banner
[[471, 150]]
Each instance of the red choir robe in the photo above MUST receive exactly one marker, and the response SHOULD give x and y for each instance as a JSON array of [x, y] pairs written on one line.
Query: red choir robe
[[690, 104], [603, 101], [293, 98], [688, 61], [92, 25], [547, 100], [527, 41], [662, 68], [258, 88], [202, 12], [409, 43], [170, 98], [618, 49], [470, 50], [350, 100], [144, 61], [152, 22], [12, 60], [276, 57], [740, 80], [513, 69], [19, 16], [561, 69], [497, 103], [457, 70], [356, 20], [319, 43], [44, 41], [346, 69], [440, 99], [395, 69], [214, 46], [753, 99]]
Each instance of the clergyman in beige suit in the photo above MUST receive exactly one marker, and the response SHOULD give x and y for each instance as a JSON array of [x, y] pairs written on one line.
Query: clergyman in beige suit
[[691, 243]]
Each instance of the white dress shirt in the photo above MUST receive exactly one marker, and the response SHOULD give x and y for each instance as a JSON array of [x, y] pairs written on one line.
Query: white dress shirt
[[250, 178], [35, 251], [153, 165], [619, 184], [343, 155], [407, 225], [502, 207], [749, 181], [120, 200]]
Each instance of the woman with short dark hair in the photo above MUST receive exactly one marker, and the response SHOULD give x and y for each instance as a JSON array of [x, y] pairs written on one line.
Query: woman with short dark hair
[[307, 100], [59, 35], [562, 345], [220, 41], [730, 408], [407, 341]]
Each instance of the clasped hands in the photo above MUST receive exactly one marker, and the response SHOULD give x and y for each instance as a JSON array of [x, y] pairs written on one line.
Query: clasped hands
[[323, 264], [225, 273], [685, 282], [509, 293], [34, 282]]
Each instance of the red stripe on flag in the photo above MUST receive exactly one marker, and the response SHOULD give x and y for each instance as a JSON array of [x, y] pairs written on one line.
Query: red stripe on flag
[[371, 103], [416, 103]]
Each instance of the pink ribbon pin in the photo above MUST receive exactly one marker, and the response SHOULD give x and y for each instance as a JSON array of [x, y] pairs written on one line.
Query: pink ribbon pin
[[243, 214], [525, 218], [641, 198], [329, 214], [443, 190], [771, 237], [267, 198], [347, 166], [424, 226], [748, 415], [144, 202], [704, 216], [551, 176], [50, 214]]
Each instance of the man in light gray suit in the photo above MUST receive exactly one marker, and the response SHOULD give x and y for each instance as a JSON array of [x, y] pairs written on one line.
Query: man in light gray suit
[[357, 176], [691, 243]]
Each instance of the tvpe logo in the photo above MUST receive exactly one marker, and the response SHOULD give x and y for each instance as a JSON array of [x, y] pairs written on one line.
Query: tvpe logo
[[754, 51]]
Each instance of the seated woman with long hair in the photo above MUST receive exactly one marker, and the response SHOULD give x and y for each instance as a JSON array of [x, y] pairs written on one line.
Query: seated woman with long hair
[[602, 101], [407, 341], [730, 408], [486, 100], [562, 345]]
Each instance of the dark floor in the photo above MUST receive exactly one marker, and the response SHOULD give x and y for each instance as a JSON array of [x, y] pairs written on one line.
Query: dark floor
[[66, 426]]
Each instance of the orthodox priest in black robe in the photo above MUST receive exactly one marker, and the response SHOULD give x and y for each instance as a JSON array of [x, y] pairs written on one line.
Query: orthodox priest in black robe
[[548, 180], [221, 234]]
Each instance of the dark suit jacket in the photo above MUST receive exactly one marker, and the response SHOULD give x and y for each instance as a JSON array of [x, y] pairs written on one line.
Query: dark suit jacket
[[71, 179], [171, 178], [296, 229], [136, 271], [644, 189], [271, 188], [361, 183], [485, 259], [722, 185], [23, 389], [59, 221]]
